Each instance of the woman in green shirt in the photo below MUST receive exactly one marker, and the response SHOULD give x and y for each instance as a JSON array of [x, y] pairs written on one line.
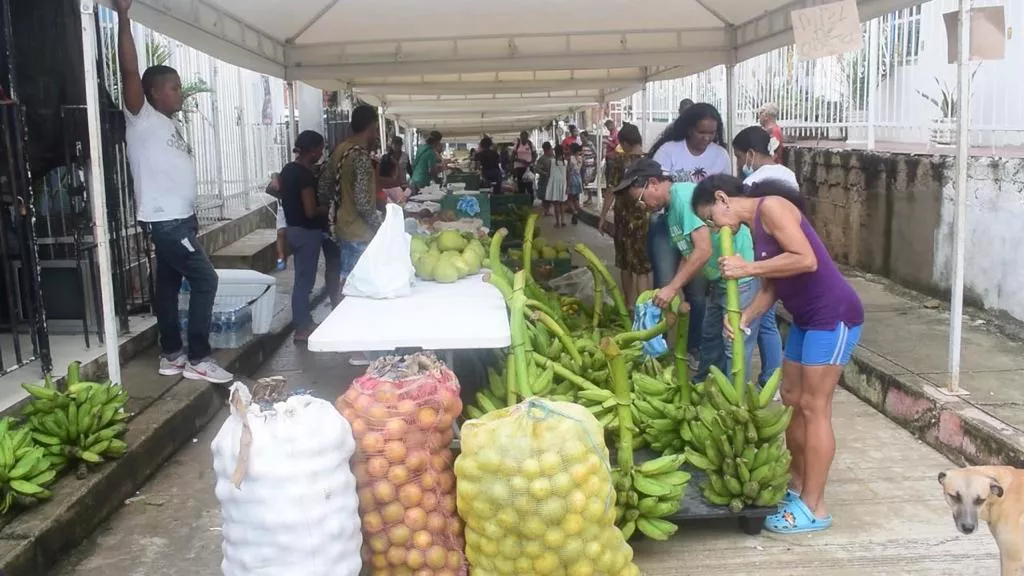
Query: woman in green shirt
[[427, 163], [653, 190]]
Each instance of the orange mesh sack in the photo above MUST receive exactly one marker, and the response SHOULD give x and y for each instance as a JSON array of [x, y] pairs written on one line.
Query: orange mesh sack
[[402, 413], [535, 492]]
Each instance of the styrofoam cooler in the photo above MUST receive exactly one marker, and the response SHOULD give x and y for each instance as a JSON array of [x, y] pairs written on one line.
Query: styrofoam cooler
[[245, 287]]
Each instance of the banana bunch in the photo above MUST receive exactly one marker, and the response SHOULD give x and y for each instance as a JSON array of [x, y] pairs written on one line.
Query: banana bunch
[[25, 470], [659, 409], [84, 424], [495, 395], [603, 404], [739, 442], [652, 492], [569, 305]]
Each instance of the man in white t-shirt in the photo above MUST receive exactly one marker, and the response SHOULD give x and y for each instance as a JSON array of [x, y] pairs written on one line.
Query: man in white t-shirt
[[165, 195]]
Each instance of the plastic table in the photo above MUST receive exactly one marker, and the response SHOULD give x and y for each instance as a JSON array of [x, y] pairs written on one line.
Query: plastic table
[[468, 314]]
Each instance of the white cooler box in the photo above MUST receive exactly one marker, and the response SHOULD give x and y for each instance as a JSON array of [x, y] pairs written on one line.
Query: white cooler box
[[244, 287]]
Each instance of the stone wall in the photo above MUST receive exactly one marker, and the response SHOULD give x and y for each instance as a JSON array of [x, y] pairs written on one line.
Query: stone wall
[[892, 214]]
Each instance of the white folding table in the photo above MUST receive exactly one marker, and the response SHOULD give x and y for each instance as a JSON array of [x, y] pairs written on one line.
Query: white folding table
[[468, 314]]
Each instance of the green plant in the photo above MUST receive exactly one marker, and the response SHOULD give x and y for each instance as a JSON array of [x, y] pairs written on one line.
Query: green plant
[[156, 53], [946, 102]]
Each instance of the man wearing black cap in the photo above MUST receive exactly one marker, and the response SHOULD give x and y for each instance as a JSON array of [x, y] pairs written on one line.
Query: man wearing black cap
[[652, 189]]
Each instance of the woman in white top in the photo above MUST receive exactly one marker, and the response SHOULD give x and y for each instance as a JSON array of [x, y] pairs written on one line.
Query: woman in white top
[[755, 151], [557, 192], [690, 150]]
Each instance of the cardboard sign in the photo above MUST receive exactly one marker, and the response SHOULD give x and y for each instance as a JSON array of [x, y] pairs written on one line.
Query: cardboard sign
[[827, 30], [987, 33]]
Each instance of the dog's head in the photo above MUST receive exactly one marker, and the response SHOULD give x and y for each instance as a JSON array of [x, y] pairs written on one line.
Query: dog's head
[[969, 493]]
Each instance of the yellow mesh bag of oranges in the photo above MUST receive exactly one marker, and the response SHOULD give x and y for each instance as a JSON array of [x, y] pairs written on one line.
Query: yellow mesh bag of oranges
[[534, 491]]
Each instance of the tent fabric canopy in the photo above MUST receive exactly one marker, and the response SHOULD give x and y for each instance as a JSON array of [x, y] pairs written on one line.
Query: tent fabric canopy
[[480, 66]]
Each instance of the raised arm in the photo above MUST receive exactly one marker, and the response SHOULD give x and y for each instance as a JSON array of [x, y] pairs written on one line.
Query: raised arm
[[132, 93]]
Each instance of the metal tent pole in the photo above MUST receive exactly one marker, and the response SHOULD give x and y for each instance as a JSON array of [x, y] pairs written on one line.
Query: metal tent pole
[[290, 90], [600, 155], [874, 57], [97, 195], [730, 108], [382, 128], [643, 110], [956, 305]]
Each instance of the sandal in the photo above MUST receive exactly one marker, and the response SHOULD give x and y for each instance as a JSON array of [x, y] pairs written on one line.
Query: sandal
[[789, 497], [796, 518]]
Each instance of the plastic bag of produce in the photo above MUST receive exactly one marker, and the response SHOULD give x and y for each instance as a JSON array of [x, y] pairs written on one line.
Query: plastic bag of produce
[[578, 284], [535, 492], [402, 413], [286, 489], [385, 268]]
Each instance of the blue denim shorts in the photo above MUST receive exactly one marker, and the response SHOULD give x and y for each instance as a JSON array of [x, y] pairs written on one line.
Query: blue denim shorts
[[350, 254], [822, 347]]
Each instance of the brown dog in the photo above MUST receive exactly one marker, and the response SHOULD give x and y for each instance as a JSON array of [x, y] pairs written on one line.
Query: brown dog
[[994, 494]]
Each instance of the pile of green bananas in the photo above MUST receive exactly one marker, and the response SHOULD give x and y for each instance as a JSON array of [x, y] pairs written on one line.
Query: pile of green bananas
[[26, 472], [83, 424], [659, 408], [739, 441], [652, 492], [500, 381]]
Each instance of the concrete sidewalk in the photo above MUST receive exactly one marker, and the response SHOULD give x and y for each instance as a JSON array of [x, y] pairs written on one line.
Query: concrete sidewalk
[[890, 517], [900, 369]]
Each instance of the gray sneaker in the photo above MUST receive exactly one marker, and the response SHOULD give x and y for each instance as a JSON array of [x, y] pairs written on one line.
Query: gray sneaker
[[173, 366], [208, 370]]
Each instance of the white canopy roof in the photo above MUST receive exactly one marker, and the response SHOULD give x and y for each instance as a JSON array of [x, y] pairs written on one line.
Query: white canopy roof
[[461, 65]]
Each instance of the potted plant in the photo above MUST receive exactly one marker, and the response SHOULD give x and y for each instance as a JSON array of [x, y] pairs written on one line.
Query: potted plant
[[943, 129]]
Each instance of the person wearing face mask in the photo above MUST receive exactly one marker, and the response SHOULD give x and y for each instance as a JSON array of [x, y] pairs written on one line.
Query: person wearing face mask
[[754, 148], [690, 149]]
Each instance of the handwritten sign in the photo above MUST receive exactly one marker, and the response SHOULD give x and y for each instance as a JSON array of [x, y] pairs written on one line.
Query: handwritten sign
[[827, 30]]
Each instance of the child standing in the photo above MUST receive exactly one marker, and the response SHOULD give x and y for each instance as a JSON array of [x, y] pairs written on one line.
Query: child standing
[[390, 192], [274, 189], [574, 180], [557, 185]]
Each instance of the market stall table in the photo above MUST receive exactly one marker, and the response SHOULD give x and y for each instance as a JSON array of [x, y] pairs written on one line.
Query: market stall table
[[468, 314]]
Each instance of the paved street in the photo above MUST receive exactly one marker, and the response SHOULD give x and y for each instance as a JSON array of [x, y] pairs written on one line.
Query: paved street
[[889, 514]]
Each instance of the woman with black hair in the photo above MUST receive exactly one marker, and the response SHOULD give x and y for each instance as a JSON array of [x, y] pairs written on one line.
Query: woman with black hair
[[630, 219], [713, 348], [307, 223], [689, 150], [755, 152], [427, 164], [490, 165], [795, 268], [525, 155]]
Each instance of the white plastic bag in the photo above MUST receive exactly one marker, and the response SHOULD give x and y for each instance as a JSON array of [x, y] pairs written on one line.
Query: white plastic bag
[[286, 490], [385, 269], [578, 284]]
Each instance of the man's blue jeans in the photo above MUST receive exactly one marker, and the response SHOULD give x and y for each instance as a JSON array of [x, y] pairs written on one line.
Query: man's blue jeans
[[179, 255], [764, 333], [665, 259]]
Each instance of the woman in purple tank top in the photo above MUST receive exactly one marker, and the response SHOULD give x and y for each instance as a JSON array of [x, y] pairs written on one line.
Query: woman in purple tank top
[[796, 269]]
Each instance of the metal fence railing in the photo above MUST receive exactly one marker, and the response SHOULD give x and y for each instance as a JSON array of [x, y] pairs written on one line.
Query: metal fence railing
[[23, 332], [902, 67]]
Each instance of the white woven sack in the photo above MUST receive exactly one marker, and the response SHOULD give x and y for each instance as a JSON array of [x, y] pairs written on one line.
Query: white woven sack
[[287, 494]]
